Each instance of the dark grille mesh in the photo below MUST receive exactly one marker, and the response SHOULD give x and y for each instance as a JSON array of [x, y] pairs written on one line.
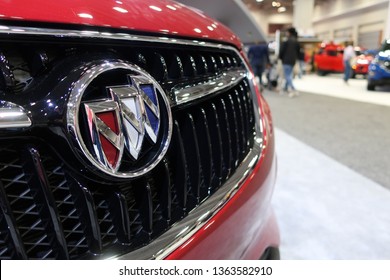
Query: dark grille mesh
[[68, 215], [57, 213], [25, 211]]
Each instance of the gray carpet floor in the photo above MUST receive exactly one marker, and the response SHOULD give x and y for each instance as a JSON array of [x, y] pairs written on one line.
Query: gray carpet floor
[[354, 133]]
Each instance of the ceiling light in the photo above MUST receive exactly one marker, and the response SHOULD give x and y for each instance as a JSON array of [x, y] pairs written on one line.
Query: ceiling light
[[281, 9], [275, 4]]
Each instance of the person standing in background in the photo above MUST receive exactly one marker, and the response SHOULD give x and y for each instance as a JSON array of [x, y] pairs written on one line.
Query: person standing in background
[[289, 52], [349, 53], [259, 59], [301, 62]]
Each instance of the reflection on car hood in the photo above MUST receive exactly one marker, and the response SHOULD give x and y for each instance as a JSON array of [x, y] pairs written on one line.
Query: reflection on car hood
[[162, 17]]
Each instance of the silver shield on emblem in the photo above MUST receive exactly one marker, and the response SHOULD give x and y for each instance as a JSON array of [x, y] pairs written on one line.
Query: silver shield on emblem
[[120, 118]]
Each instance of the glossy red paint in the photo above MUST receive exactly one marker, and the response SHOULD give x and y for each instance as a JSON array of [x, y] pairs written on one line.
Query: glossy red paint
[[111, 152], [165, 17], [246, 225]]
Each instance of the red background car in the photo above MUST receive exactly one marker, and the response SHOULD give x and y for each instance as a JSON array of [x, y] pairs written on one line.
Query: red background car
[[329, 59], [360, 63]]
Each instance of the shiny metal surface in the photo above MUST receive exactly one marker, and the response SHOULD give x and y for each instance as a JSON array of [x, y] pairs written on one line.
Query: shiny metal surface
[[64, 33], [97, 126], [220, 83], [13, 116], [128, 103]]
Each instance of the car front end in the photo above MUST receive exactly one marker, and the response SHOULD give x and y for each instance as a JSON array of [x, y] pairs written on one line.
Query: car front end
[[379, 68], [130, 130], [360, 65]]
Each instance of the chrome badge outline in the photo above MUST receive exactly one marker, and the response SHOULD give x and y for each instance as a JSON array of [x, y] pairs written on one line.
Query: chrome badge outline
[[126, 117]]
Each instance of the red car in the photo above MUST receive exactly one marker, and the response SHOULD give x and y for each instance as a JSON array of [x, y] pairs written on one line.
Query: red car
[[130, 130], [329, 59], [360, 63]]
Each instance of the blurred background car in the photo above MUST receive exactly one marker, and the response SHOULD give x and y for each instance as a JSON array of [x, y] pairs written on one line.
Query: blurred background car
[[329, 59], [360, 63], [379, 69]]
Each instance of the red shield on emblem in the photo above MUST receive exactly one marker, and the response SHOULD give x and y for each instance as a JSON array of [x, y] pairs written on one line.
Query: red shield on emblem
[[104, 126], [111, 152]]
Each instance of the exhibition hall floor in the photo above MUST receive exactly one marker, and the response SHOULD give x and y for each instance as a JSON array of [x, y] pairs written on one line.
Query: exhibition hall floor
[[332, 196]]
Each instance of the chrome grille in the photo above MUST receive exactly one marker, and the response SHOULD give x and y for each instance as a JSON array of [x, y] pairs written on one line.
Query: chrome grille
[[55, 212]]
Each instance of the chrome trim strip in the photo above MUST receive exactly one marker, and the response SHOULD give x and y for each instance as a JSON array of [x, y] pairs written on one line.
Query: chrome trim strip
[[165, 244], [122, 36], [184, 95], [13, 116], [220, 83]]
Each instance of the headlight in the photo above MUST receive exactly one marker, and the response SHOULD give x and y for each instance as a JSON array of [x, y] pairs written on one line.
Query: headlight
[[384, 63]]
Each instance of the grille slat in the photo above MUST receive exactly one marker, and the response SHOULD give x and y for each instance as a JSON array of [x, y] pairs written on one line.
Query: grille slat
[[85, 206], [11, 244], [226, 139], [175, 66], [192, 156], [201, 64], [217, 148], [189, 66], [162, 172], [211, 64], [249, 102], [107, 235], [120, 217], [144, 200], [240, 123], [180, 170], [204, 141], [37, 180], [235, 141], [240, 95]]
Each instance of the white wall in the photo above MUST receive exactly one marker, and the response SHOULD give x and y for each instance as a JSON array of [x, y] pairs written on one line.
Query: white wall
[[341, 20], [341, 6]]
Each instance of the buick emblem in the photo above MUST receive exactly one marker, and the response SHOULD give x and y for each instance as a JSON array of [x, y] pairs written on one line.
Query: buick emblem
[[120, 119]]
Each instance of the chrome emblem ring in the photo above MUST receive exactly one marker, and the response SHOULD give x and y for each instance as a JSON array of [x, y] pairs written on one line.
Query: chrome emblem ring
[[120, 118]]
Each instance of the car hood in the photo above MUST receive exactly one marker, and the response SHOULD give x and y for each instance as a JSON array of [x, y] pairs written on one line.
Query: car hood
[[163, 17]]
